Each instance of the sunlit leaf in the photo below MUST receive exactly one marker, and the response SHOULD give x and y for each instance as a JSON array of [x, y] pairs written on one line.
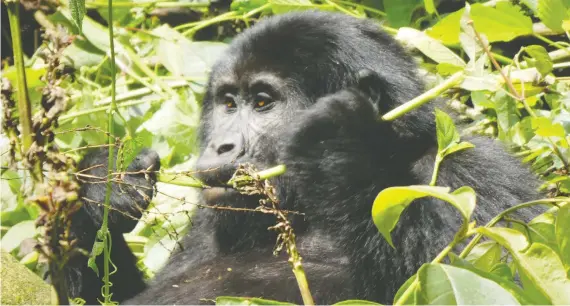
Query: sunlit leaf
[[552, 13], [502, 23], [562, 230], [391, 202], [539, 59], [18, 233], [485, 255], [428, 46], [539, 264], [444, 285], [78, 11]]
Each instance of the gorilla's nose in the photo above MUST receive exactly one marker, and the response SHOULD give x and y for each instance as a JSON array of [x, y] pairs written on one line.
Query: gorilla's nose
[[217, 162], [227, 146]]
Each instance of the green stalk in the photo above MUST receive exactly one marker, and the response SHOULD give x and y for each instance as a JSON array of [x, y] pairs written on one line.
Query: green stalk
[[110, 165], [424, 98], [24, 105], [156, 4], [188, 181], [500, 216]]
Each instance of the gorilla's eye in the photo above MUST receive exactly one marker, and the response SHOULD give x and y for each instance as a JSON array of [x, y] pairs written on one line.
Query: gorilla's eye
[[262, 100], [229, 101]]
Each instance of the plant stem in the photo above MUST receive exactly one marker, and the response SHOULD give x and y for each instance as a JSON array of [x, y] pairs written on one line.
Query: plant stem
[[438, 160], [507, 211], [24, 105], [424, 98], [158, 4], [110, 163], [188, 181]]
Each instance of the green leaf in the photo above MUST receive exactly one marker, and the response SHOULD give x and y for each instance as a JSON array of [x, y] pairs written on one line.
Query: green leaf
[[18, 233], [562, 230], [430, 7], [244, 6], [507, 115], [284, 6], [457, 147], [552, 13], [545, 127], [485, 255], [356, 303], [501, 23], [446, 131], [231, 300], [97, 250], [78, 11], [540, 265], [444, 285], [539, 59], [400, 11], [391, 202], [502, 270], [428, 46], [507, 283]]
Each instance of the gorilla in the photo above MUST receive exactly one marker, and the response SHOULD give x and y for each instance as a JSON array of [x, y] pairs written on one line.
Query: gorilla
[[303, 89]]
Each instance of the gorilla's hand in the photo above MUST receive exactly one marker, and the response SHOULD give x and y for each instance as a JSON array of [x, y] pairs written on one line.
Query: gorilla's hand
[[131, 192], [349, 112]]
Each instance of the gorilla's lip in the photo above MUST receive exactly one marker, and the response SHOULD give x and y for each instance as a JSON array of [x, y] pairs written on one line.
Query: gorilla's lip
[[213, 195]]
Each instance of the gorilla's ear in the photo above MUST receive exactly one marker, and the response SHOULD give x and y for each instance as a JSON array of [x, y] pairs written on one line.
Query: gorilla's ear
[[370, 84]]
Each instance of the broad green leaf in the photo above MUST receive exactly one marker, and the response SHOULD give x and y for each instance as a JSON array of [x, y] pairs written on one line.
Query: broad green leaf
[[458, 147], [78, 11], [504, 281], [545, 127], [428, 46], [444, 284], [501, 23], [430, 7], [507, 115], [356, 303], [284, 6], [400, 11], [485, 255], [446, 132], [552, 13], [502, 270], [18, 233], [391, 202], [231, 300], [539, 59], [539, 264], [562, 230]]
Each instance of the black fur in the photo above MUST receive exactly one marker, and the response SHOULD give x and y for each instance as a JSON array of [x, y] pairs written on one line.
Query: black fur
[[330, 77]]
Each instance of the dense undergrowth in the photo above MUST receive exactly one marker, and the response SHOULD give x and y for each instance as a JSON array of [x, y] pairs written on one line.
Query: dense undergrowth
[[503, 67]]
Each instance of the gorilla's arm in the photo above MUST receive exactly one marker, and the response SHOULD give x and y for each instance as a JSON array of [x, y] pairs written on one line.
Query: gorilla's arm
[[128, 200]]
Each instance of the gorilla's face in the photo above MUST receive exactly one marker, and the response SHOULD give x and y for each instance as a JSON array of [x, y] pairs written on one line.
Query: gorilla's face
[[244, 115]]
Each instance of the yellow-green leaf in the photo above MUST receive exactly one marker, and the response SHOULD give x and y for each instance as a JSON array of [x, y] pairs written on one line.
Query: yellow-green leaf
[[391, 202]]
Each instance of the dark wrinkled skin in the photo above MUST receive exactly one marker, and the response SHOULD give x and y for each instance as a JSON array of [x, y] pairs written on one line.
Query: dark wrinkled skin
[[328, 78]]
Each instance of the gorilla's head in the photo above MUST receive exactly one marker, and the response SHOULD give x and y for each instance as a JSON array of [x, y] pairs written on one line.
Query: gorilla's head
[[280, 67]]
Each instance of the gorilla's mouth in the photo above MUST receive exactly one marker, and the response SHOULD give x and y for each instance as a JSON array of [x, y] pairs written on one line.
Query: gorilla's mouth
[[217, 195]]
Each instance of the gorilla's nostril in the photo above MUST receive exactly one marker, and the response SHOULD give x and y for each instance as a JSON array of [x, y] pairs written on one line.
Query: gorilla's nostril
[[225, 148]]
